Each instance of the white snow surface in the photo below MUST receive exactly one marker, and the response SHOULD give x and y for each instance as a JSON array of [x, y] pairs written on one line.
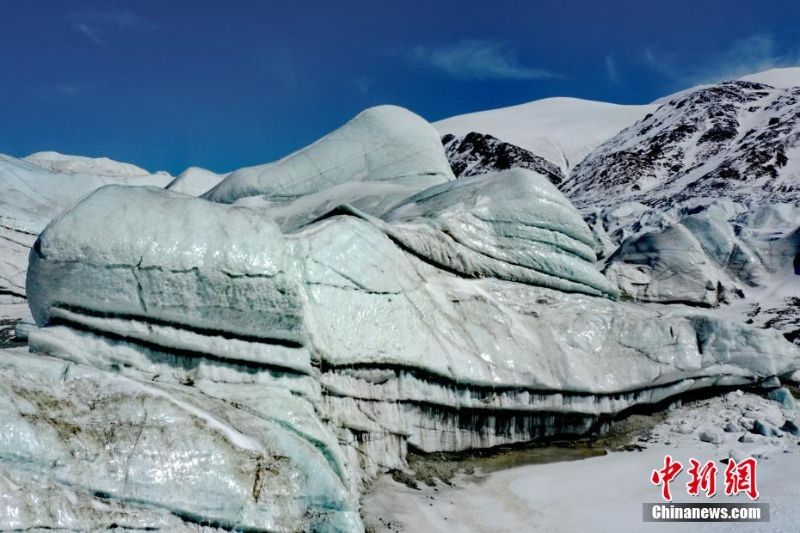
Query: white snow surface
[[782, 78], [777, 77], [606, 493], [561, 130]]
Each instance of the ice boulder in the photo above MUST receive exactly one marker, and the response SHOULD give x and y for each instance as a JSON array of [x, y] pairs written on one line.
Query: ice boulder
[[35, 190], [167, 258], [512, 225], [385, 143], [666, 266], [698, 261], [195, 181]]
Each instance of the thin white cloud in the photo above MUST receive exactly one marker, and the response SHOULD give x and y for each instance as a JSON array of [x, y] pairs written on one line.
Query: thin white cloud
[[753, 54], [90, 32], [611, 70], [96, 24], [477, 60], [745, 56]]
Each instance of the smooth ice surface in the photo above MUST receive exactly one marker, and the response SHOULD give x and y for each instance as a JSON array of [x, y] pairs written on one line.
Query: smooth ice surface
[[146, 252], [382, 143], [195, 181], [512, 225]]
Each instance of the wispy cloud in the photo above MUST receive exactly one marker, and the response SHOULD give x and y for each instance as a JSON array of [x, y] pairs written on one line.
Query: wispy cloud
[[477, 60], [753, 54], [611, 70], [90, 32], [96, 25], [745, 56]]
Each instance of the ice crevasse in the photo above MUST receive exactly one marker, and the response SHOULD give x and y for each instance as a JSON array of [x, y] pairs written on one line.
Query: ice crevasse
[[252, 358]]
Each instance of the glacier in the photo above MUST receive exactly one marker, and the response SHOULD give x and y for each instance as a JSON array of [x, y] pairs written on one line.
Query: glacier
[[252, 358]]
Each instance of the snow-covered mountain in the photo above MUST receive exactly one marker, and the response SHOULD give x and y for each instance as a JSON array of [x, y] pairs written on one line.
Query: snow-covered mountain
[[734, 139], [783, 78], [560, 130], [99, 166], [693, 202], [738, 140]]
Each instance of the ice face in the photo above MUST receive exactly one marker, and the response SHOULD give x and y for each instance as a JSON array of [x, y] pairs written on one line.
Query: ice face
[[427, 327], [705, 252], [156, 451]]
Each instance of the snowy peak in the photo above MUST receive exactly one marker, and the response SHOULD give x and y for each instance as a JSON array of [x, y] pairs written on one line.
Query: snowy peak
[[476, 153], [737, 139], [560, 130]]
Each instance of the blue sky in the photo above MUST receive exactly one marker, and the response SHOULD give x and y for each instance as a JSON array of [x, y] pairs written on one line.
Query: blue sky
[[225, 84]]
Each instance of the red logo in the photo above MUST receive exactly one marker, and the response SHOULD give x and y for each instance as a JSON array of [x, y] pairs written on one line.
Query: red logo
[[704, 479], [739, 477], [664, 476]]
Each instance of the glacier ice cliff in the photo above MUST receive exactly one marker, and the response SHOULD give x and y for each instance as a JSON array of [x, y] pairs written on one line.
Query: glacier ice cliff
[[253, 358]]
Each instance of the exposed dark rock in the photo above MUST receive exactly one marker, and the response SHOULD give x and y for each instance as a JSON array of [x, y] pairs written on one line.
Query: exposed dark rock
[[697, 145], [476, 153]]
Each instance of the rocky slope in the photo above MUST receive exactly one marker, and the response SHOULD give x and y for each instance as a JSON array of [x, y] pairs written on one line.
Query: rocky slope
[[476, 153], [738, 140]]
